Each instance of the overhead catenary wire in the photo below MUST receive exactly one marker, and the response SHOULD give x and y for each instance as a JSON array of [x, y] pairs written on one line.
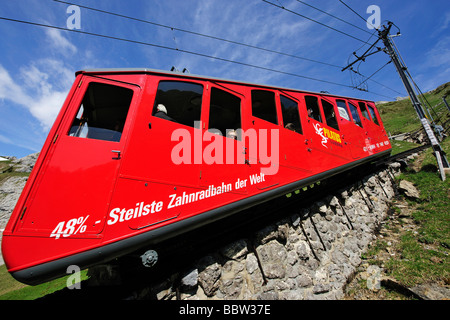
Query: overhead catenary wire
[[200, 34], [352, 10], [368, 78], [333, 16], [172, 28], [173, 49], [181, 50], [315, 21], [423, 99], [364, 42]]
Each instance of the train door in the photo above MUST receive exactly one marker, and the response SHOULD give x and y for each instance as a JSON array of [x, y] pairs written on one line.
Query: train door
[[71, 196], [369, 126], [263, 139], [360, 131], [294, 154], [162, 164], [223, 146], [379, 135], [351, 126]]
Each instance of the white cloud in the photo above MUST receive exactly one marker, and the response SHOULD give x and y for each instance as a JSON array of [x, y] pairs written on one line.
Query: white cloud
[[246, 23], [439, 55], [9, 90], [58, 42], [5, 140], [37, 93], [41, 86]]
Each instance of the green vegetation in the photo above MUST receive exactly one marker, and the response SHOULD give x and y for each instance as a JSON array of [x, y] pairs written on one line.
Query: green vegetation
[[400, 146], [400, 116], [10, 289], [413, 246], [420, 250], [425, 254]]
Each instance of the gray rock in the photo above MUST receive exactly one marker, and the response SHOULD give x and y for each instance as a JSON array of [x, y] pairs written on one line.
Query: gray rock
[[273, 257], [408, 189], [25, 164], [209, 277], [190, 279], [10, 191]]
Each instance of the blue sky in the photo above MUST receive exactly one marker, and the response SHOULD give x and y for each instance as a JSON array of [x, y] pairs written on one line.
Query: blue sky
[[37, 64]]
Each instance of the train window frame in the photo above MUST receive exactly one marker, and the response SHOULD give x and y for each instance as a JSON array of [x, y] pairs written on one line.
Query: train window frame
[[180, 113], [234, 131], [264, 107], [310, 108], [358, 121], [363, 108], [343, 111], [373, 114], [289, 120], [330, 117], [102, 112]]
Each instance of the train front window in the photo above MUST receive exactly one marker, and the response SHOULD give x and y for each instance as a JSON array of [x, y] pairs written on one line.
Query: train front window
[[312, 105], [372, 113], [263, 105], [225, 114], [102, 113], [179, 101], [291, 118], [330, 115], [362, 107]]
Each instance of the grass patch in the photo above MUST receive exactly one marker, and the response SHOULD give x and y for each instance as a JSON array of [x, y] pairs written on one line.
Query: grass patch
[[418, 263], [401, 146], [418, 254], [400, 116], [424, 255], [10, 289]]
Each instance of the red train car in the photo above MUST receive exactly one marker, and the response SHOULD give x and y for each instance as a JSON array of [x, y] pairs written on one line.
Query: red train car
[[138, 156]]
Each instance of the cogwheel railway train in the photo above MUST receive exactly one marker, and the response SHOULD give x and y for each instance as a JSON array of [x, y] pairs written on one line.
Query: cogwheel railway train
[[139, 156]]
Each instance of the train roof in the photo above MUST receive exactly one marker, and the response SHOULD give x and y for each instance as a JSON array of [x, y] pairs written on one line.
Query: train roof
[[202, 77]]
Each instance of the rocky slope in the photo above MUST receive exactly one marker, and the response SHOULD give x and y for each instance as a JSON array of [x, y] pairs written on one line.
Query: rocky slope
[[11, 184]]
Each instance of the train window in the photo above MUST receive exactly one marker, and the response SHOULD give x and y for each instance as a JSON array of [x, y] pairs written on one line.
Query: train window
[[372, 113], [263, 105], [362, 107], [102, 113], [225, 113], [182, 102], [312, 105], [355, 114], [291, 118], [330, 115], [342, 109]]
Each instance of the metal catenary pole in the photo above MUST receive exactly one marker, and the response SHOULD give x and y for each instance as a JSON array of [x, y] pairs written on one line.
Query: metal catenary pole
[[401, 69]]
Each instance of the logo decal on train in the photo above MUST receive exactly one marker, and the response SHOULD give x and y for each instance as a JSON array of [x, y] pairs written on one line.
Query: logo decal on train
[[326, 134]]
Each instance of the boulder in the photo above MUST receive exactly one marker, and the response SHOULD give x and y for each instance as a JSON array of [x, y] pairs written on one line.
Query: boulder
[[408, 189]]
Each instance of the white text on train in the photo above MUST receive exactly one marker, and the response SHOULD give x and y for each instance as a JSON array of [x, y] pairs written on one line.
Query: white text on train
[[121, 215]]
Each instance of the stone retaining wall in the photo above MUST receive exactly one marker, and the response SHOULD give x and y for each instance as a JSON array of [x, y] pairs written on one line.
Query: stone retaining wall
[[309, 255]]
